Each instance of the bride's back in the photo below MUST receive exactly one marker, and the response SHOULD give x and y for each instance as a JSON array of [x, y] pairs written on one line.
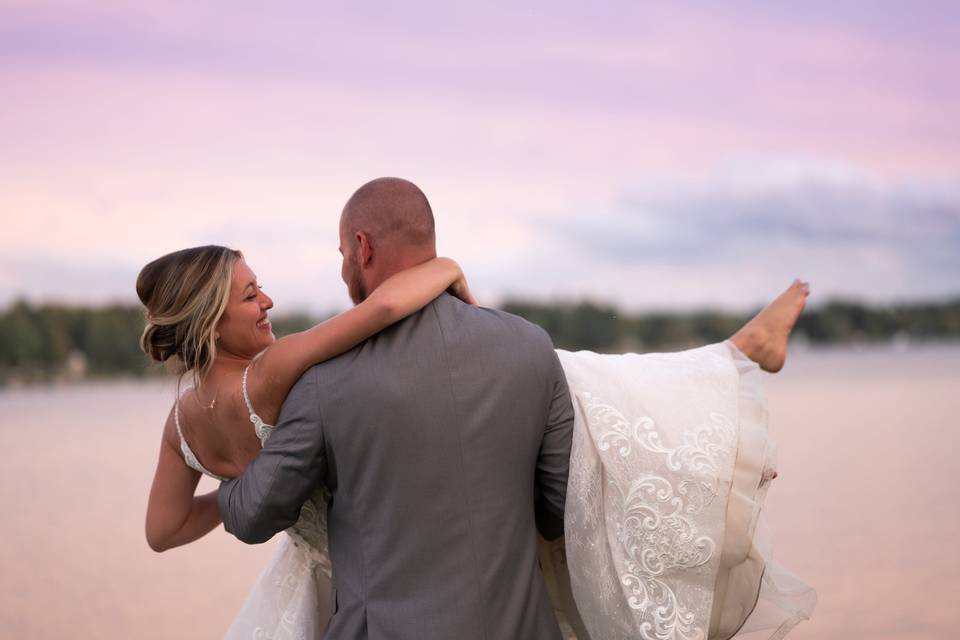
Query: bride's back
[[216, 423]]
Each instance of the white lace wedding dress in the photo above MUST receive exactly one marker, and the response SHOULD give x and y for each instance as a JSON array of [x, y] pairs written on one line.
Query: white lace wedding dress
[[664, 538]]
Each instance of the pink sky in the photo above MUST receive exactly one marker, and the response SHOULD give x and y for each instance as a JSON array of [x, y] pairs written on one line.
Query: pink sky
[[804, 140]]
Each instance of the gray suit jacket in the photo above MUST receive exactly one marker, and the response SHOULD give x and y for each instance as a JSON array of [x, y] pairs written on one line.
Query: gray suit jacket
[[436, 438]]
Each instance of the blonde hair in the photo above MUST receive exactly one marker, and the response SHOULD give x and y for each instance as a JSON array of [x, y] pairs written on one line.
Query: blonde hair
[[185, 294]]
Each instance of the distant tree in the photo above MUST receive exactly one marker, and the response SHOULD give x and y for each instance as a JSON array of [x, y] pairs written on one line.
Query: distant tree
[[22, 340], [36, 343], [574, 326], [110, 338]]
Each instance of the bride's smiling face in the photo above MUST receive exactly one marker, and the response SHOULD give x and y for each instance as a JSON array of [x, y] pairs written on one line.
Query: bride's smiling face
[[244, 328]]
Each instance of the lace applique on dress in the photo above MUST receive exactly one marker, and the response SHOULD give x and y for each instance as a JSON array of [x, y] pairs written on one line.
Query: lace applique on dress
[[668, 470], [262, 429]]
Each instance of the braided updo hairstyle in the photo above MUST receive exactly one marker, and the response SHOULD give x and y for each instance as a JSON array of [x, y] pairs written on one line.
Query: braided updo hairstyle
[[185, 294]]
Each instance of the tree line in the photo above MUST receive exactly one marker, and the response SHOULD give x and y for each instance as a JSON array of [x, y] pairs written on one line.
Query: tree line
[[52, 341]]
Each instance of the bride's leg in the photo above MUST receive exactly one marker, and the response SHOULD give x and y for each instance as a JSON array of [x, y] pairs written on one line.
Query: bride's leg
[[764, 338]]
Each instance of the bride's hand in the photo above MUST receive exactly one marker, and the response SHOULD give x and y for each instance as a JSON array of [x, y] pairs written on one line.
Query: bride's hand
[[461, 289]]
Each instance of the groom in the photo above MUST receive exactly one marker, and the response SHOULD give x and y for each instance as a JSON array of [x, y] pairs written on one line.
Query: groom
[[444, 441]]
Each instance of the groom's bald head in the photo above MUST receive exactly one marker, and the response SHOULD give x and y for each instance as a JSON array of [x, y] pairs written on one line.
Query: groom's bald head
[[390, 210], [386, 226]]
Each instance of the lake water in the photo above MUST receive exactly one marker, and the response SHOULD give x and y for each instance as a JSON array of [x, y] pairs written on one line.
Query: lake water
[[866, 508]]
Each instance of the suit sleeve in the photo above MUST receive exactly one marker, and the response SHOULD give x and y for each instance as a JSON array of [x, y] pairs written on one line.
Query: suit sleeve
[[553, 464], [267, 497]]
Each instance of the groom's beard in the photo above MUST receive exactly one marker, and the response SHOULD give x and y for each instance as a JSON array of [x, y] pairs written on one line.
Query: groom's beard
[[358, 292]]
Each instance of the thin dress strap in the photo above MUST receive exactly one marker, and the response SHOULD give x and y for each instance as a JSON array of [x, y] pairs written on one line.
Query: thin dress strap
[[188, 456], [262, 429]]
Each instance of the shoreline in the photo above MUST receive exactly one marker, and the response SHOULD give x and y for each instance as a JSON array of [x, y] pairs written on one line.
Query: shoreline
[[799, 351]]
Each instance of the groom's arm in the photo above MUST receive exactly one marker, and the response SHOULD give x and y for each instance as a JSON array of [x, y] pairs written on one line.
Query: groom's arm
[[267, 497], [553, 464]]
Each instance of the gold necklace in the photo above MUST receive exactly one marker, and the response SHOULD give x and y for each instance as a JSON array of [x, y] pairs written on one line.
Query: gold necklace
[[196, 395]]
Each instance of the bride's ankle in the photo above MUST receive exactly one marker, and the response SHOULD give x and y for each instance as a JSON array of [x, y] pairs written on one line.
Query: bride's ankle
[[747, 342]]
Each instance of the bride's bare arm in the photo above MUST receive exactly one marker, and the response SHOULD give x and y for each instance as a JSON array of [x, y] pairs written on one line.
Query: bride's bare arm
[[274, 372], [175, 516]]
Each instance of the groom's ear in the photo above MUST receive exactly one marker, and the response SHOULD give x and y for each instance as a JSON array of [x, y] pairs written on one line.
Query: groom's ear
[[365, 249]]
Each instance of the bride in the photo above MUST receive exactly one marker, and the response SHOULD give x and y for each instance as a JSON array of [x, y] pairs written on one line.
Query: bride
[[669, 465]]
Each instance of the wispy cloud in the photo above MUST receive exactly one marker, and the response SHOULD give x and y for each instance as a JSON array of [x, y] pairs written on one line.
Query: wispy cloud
[[852, 234]]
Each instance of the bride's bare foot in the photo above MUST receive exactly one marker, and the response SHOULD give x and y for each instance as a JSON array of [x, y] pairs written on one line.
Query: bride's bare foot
[[764, 338]]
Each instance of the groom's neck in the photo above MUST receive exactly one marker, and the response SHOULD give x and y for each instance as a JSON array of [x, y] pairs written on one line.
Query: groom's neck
[[397, 261]]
